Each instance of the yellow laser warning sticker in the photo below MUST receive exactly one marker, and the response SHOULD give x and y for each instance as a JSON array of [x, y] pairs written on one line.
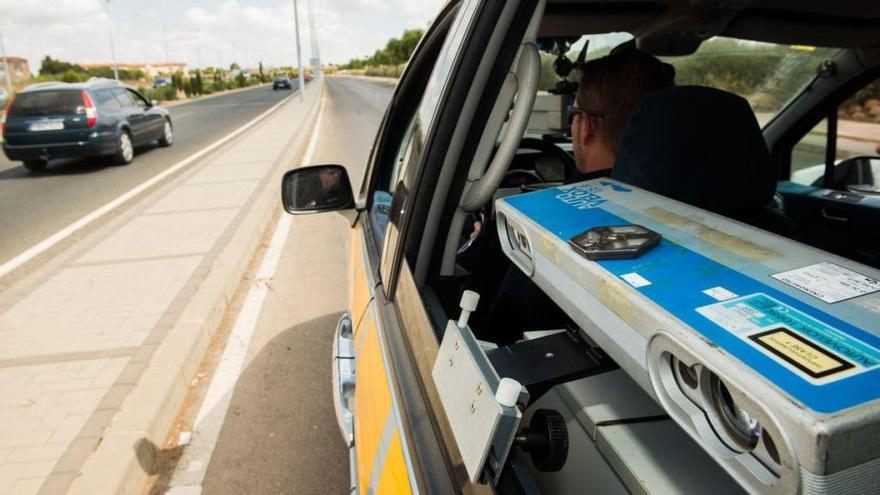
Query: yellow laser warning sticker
[[801, 353]]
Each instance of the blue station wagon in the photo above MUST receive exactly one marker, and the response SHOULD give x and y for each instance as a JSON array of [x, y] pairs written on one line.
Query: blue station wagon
[[100, 117]]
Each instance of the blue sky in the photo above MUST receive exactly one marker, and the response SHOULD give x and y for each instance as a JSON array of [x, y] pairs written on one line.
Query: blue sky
[[217, 32]]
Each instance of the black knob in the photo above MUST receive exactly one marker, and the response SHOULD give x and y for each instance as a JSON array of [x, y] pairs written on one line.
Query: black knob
[[546, 440]]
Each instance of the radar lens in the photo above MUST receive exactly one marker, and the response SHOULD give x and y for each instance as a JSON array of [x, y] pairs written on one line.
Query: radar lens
[[741, 427]]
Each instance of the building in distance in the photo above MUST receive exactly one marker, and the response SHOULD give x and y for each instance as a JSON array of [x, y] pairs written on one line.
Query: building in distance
[[18, 68], [151, 69]]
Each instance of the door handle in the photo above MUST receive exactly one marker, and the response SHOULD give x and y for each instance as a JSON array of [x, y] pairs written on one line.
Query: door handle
[[833, 218]]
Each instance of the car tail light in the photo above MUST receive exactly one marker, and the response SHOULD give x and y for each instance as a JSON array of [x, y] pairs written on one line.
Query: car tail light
[[91, 111], [3, 116]]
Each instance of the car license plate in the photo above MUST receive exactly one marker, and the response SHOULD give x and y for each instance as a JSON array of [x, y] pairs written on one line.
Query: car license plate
[[50, 125]]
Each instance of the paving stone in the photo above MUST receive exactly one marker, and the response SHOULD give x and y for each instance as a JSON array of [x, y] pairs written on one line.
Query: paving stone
[[138, 288], [201, 196], [69, 428], [171, 234], [28, 486], [38, 453], [251, 171]]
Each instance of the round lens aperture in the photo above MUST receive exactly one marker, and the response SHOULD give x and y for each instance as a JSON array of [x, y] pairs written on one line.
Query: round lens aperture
[[740, 426]]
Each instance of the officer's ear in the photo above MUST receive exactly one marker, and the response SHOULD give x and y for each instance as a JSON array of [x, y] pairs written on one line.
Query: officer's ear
[[585, 129]]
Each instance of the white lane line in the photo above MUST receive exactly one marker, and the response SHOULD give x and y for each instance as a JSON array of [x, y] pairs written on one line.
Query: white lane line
[[193, 465], [78, 225]]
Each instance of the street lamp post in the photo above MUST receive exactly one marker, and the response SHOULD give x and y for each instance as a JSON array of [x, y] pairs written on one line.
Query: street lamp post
[[165, 38], [5, 66], [198, 49], [316, 55], [112, 44], [302, 79]]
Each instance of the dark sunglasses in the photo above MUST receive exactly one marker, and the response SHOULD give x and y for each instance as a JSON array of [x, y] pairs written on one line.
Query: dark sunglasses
[[574, 110]]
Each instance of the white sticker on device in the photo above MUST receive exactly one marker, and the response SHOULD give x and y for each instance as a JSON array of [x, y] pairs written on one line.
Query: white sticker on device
[[635, 279], [829, 282], [719, 293]]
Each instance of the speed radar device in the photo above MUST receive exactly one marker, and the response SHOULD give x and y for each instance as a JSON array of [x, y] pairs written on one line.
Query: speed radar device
[[764, 350]]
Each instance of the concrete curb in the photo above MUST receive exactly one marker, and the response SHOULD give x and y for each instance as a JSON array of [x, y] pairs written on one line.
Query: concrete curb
[[387, 81], [125, 458]]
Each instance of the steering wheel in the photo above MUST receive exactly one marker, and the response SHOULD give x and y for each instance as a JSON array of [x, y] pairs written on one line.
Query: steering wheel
[[545, 147], [551, 149]]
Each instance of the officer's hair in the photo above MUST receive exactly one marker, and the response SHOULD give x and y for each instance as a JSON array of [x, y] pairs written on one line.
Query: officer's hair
[[612, 85]]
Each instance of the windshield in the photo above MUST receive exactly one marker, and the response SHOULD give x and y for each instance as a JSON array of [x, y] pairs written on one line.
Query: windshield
[[765, 74]]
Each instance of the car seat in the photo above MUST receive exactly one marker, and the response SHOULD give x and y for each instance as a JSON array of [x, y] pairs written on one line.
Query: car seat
[[702, 146]]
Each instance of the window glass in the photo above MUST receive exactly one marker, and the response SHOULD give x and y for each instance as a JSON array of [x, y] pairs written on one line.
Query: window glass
[[597, 45], [443, 67], [104, 99], [417, 118], [45, 103], [404, 153], [765, 74], [808, 155], [137, 99], [122, 96]]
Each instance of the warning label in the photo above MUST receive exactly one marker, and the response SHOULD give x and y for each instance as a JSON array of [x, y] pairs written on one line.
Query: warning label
[[801, 353], [816, 351], [829, 282]]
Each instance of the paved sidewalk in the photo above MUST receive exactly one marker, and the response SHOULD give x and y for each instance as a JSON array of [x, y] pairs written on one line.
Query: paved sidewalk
[[78, 334]]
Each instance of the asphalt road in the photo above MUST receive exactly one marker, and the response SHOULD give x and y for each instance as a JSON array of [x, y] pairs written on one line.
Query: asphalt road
[[280, 434], [35, 206]]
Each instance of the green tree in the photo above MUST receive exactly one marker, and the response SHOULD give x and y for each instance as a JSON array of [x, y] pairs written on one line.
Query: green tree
[[198, 87], [50, 66], [177, 80], [397, 51], [71, 76]]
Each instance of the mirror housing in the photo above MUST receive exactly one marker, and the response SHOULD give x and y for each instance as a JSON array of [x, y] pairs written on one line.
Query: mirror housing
[[316, 188]]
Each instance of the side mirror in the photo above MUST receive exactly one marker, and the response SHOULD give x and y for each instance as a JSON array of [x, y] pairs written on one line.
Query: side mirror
[[316, 188]]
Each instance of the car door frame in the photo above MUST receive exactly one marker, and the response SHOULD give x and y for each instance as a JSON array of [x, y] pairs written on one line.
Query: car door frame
[[829, 219], [404, 318], [851, 69], [155, 120], [428, 468], [132, 115]]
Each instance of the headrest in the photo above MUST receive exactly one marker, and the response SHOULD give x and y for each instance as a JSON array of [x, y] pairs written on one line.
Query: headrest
[[699, 145]]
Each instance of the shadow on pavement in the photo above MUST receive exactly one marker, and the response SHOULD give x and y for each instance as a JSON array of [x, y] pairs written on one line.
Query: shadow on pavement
[[280, 434], [72, 166]]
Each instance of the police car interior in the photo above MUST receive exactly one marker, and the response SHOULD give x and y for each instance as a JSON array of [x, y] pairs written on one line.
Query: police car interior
[[719, 158], [702, 318]]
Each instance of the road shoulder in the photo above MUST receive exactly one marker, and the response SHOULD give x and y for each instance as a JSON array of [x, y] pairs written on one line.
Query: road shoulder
[[100, 349]]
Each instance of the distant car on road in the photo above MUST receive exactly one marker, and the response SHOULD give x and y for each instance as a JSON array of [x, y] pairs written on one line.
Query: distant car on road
[[282, 82], [161, 81], [99, 117]]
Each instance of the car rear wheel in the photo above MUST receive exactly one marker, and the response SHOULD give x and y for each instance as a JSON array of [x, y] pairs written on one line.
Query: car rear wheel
[[35, 165], [124, 149], [167, 136]]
